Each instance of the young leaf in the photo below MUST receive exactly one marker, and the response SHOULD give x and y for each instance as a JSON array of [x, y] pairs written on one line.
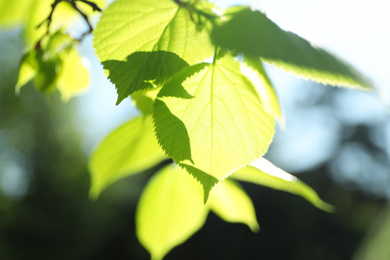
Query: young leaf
[[56, 64], [27, 69], [210, 117], [30, 13], [230, 202], [254, 71], [144, 42], [266, 174], [253, 34], [170, 210], [74, 76], [40, 68], [128, 150]]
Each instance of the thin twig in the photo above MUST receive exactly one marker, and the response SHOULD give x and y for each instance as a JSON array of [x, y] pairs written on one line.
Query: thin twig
[[91, 4], [83, 15], [73, 3], [49, 18]]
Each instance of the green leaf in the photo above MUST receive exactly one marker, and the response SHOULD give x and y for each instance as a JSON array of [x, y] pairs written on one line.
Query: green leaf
[[254, 71], [253, 34], [73, 78], [266, 174], [30, 13], [13, 12], [27, 69], [56, 64], [210, 117], [144, 99], [170, 210], [230, 202], [128, 150], [143, 43]]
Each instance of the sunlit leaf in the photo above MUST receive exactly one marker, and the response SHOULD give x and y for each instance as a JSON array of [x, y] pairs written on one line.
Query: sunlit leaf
[[254, 70], [253, 34], [266, 174], [144, 99], [56, 64], [230, 202], [74, 76], [128, 150], [210, 117], [13, 12], [170, 210], [144, 42], [27, 69], [30, 13]]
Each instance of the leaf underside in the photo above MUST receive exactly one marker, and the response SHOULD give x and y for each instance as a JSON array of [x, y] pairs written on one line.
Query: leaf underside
[[230, 202], [266, 174], [129, 149], [253, 34], [170, 210]]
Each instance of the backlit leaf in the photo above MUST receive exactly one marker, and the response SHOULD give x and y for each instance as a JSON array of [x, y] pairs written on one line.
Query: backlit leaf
[[230, 202], [30, 13], [266, 174], [254, 70], [144, 99], [74, 76], [56, 64], [27, 69], [210, 117], [170, 210], [253, 34], [128, 150], [144, 42]]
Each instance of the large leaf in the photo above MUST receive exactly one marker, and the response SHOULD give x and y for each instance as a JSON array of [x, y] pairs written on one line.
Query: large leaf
[[170, 210], [144, 42], [230, 202], [266, 174], [129, 149], [210, 119], [253, 34]]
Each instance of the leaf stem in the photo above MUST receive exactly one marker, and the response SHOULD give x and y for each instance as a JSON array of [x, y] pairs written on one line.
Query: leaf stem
[[215, 54]]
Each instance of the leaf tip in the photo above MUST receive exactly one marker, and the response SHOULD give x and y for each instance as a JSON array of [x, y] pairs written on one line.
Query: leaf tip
[[93, 194], [326, 207], [255, 228]]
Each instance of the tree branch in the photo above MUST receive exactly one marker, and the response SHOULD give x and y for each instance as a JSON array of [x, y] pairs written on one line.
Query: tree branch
[[75, 7]]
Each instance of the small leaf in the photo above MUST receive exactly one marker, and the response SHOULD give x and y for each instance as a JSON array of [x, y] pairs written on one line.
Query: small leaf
[[170, 210], [253, 34], [56, 64], [74, 76], [210, 117], [27, 69], [266, 174], [30, 13], [144, 42], [254, 71], [128, 150], [230, 202]]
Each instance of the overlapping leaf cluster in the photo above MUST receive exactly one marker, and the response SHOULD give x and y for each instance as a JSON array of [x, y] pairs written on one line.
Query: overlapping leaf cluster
[[51, 59], [196, 74]]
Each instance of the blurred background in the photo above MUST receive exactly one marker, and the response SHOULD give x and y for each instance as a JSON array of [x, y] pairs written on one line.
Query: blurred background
[[336, 140]]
